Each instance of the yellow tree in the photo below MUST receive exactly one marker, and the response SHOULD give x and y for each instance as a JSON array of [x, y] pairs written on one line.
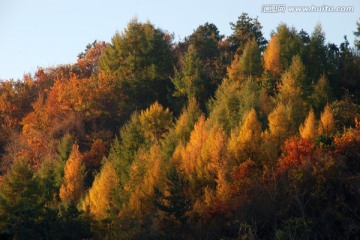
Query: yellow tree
[[327, 121], [245, 144], [290, 91], [155, 121], [148, 171], [203, 156], [272, 56], [100, 199], [308, 129], [280, 124], [72, 187]]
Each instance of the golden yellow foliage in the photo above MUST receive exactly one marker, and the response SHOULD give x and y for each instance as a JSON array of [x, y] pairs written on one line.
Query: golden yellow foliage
[[156, 121], [73, 185], [272, 56], [147, 172], [327, 121], [280, 124], [308, 129], [246, 143], [99, 200], [204, 155]]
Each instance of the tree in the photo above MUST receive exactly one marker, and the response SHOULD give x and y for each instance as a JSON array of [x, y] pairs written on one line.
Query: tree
[[308, 129], [180, 133], [280, 124], [88, 60], [327, 121], [123, 149], [92, 160], [272, 62], [317, 54], [140, 61], [72, 187], [19, 202], [232, 100], [155, 121], [205, 41], [100, 201], [357, 34], [246, 143], [248, 64], [203, 156], [245, 29], [290, 45], [322, 93], [345, 111], [147, 172], [173, 201], [290, 90], [192, 81]]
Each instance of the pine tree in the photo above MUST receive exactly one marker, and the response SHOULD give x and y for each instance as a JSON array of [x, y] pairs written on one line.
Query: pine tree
[[19, 202], [247, 65], [191, 81], [290, 44], [245, 29], [174, 203]]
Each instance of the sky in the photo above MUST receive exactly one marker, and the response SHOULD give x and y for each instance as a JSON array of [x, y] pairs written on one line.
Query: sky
[[44, 33]]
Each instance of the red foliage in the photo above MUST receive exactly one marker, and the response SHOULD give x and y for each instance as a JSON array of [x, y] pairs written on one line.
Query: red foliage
[[296, 152]]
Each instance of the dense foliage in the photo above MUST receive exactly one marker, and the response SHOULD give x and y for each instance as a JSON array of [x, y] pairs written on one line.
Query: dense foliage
[[212, 137]]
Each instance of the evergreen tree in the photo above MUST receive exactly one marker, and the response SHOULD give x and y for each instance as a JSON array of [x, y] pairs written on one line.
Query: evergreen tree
[[20, 205], [245, 29], [173, 201], [317, 51], [290, 45], [247, 65], [140, 60], [192, 81]]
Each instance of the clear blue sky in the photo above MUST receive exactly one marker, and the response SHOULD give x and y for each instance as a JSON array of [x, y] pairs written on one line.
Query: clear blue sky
[[42, 33]]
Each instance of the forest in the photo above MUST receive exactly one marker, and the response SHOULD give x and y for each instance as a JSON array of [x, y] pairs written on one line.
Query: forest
[[210, 137]]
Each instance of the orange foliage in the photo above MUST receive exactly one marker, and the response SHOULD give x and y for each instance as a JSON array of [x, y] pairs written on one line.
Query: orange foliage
[[73, 185], [296, 151], [272, 56]]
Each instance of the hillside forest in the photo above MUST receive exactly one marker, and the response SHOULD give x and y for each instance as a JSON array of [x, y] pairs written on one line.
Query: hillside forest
[[210, 137]]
